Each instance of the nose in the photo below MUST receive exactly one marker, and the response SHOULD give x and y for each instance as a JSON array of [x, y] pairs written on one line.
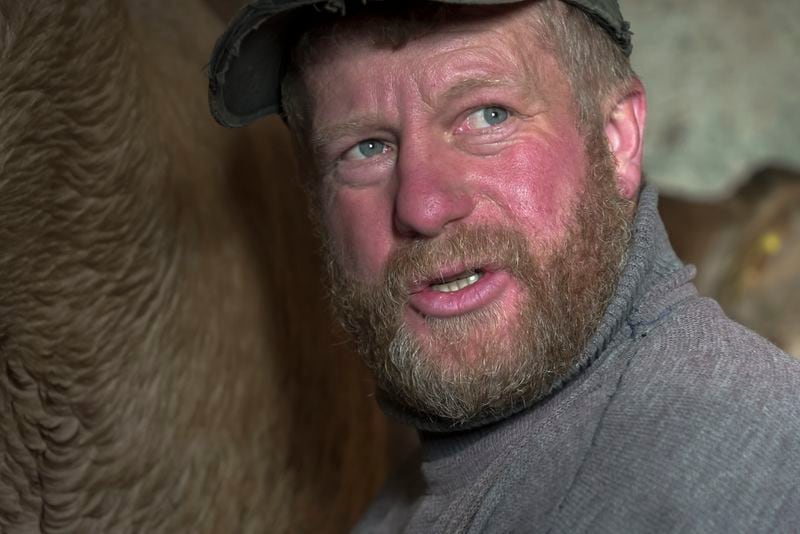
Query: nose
[[432, 190]]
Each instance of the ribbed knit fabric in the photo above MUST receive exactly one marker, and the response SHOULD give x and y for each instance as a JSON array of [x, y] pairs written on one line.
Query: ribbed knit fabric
[[676, 420]]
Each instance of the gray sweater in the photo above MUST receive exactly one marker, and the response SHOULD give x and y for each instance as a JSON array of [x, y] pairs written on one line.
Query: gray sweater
[[676, 420]]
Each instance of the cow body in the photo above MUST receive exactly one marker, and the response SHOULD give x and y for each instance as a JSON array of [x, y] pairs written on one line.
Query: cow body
[[166, 361]]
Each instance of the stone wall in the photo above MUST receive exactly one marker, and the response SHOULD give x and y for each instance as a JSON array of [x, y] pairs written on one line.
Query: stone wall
[[723, 80]]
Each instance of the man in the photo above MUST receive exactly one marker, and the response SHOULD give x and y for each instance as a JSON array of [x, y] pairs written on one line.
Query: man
[[476, 174]]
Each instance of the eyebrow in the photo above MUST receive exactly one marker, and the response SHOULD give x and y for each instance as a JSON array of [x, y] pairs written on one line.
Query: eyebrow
[[467, 85], [328, 134]]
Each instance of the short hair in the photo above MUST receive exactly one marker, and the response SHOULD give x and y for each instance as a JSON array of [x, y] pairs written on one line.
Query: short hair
[[598, 71]]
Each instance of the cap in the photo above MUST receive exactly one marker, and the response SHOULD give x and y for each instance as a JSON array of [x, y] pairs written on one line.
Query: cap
[[248, 61]]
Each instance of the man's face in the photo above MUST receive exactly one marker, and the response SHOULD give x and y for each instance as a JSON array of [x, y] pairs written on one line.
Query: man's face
[[474, 232]]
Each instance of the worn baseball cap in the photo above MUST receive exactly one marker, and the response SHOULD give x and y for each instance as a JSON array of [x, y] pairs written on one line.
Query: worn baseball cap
[[249, 59]]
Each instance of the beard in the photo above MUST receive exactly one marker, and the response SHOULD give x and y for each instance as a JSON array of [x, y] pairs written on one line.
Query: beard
[[490, 363]]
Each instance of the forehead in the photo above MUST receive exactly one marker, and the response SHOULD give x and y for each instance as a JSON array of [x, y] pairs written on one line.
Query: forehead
[[467, 43], [396, 28]]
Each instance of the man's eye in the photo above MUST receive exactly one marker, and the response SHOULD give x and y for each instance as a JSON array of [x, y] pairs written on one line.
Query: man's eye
[[366, 149], [487, 117]]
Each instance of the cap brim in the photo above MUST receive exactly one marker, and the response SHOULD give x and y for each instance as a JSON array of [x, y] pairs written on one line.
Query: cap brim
[[246, 66]]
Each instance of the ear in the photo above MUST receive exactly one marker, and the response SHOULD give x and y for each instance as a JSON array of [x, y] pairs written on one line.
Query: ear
[[625, 133]]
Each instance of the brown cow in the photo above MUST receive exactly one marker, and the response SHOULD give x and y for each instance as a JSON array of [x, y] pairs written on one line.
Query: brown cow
[[165, 359], [747, 251]]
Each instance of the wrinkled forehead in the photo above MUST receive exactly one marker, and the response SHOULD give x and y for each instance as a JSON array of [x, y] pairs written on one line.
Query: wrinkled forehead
[[392, 26]]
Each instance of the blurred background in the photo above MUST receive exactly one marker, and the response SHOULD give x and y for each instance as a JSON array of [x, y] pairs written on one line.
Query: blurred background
[[723, 81], [723, 145]]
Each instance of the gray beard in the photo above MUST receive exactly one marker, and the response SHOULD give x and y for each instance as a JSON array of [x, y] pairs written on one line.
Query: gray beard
[[496, 361]]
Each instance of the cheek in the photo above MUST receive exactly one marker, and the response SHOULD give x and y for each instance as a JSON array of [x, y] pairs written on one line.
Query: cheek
[[359, 226], [540, 184]]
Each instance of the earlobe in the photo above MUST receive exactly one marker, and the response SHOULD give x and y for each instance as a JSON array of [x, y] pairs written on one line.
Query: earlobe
[[625, 133]]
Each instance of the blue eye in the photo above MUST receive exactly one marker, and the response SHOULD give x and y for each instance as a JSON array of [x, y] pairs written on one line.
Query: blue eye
[[494, 115], [366, 149], [487, 117]]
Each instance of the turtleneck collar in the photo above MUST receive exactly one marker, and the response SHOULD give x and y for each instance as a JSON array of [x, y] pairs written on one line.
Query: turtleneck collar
[[650, 259]]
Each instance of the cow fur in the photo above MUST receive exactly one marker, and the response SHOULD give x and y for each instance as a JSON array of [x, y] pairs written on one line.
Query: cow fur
[[166, 362]]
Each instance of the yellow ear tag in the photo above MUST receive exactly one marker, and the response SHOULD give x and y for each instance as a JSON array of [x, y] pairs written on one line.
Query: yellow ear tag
[[771, 243]]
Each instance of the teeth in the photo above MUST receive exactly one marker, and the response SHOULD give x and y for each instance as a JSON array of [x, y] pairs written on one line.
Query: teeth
[[457, 284]]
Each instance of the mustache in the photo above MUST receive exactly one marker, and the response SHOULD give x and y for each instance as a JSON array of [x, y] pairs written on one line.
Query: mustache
[[467, 248]]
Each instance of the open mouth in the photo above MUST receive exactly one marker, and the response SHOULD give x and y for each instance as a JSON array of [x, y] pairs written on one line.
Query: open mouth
[[459, 291], [458, 282]]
